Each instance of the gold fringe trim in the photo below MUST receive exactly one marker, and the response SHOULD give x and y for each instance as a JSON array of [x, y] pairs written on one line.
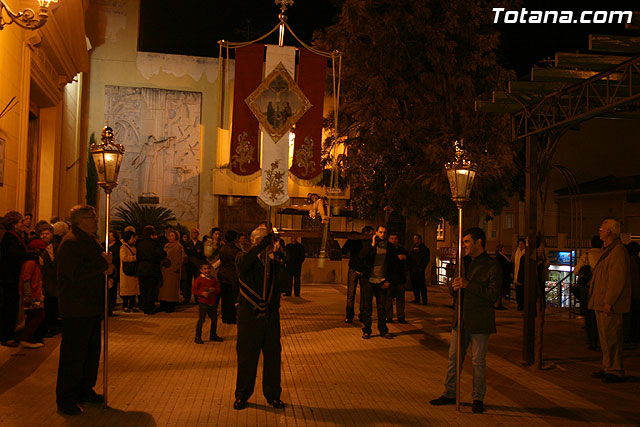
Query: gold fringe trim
[[313, 182], [241, 178]]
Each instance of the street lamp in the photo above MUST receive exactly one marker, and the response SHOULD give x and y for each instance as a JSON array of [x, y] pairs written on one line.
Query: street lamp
[[27, 18], [107, 157], [461, 173]]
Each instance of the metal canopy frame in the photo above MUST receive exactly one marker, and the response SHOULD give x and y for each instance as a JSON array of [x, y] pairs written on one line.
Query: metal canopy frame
[[594, 96]]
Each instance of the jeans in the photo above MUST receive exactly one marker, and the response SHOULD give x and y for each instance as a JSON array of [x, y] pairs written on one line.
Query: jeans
[[397, 292], [352, 285], [205, 310], [367, 291], [479, 345]]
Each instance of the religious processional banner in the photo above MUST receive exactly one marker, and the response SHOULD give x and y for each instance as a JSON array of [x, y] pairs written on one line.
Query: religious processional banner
[[245, 134], [307, 151]]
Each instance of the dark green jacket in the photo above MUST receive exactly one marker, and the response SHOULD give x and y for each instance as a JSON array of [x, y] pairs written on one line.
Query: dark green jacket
[[481, 293]]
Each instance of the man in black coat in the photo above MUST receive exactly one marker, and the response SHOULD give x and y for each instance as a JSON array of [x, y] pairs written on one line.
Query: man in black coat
[[295, 256], [396, 290], [194, 249], [81, 270], [258, 324], [149, 254], [379, 261], [418, 262], [353, 248]]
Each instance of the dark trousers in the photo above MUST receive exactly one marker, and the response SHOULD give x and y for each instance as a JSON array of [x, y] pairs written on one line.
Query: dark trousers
[[10, 305], [256, 335], [591, 327], [520, 296], [185, 287], [294, 283], [397, 292], [205, 310], [128, 301], [113, 295], [148, 292], [367, 291], [32, 322], [227, 303], [51, 314], [353, 279], [419, 286], [79, 358]]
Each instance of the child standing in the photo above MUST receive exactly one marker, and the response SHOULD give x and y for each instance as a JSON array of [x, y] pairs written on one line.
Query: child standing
[[32, 296], [206, 289]]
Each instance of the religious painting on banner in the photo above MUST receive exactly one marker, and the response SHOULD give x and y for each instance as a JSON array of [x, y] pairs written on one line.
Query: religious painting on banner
[[278, 103]]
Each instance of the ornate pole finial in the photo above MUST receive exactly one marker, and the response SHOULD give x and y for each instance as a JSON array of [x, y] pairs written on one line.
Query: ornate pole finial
[[283, 17]]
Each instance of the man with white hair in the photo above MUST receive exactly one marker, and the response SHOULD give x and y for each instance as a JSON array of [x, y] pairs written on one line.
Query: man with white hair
[[610, 297], [258, 323]]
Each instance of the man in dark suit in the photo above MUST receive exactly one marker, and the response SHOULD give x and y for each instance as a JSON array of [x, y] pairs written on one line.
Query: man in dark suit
[[82, 265], [294, 253], [396, 290], [418, 262], [479, 289], [194, 249], [258, 323]]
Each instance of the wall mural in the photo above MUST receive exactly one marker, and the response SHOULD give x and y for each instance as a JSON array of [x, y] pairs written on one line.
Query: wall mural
[[160, 130]]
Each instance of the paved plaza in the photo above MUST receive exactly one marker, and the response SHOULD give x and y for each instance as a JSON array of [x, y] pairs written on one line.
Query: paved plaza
[[331, 376]]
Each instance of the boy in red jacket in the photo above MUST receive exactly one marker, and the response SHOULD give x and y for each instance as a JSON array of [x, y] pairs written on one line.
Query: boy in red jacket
[[206, 289]]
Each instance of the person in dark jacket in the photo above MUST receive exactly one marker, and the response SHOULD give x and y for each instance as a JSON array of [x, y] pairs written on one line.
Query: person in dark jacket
[[396, 290], [195, 252], [50, 326], [82, 265], [258, 323], [418, 262], [379, 269], [294, 253], [228, 277], [150, 255], [506, 267], [114, 249], [479, 289], [14, 253], [353, 248]]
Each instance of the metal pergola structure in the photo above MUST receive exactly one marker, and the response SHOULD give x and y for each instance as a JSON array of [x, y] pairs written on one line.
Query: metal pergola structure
[[576, 88]]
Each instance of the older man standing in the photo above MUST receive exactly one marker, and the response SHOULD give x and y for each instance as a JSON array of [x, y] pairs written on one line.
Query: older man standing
[[82, 265], [610, 297]]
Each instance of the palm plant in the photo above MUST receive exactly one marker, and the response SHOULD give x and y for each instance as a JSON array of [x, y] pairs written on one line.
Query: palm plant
[[139, 216]]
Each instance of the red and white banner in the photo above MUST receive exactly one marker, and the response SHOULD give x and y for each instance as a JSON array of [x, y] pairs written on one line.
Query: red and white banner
[[245, 135], [307, 151]]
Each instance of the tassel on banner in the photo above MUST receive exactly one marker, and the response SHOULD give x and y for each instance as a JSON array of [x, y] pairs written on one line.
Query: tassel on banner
[[307, 151]]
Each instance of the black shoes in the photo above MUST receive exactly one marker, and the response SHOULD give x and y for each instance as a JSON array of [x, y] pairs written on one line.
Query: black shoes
[[10, 343], [389, 320], [402, 321], [443, 400], [387, 335], [613, 378], [91, 397], [69, 409], [276, 403], [198, 340], [415, 301], [598, 374], [500, 307], [366, 336], [215, 338], [347, 320], [477, 407], [239, 404]]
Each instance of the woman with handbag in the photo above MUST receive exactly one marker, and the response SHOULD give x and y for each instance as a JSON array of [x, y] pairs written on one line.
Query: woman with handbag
[[129, 287]]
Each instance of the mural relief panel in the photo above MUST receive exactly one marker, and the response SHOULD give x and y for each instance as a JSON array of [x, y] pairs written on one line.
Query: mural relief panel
[[160, 130]]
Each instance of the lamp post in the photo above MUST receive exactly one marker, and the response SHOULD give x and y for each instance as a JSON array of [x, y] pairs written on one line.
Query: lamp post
[[27, 18], [461, 173], [107, 156]]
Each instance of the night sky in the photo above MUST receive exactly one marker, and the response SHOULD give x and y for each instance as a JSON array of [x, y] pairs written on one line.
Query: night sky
[[196, 26]]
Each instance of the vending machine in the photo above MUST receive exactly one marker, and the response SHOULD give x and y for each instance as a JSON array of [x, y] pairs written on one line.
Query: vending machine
[[561, 264]]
